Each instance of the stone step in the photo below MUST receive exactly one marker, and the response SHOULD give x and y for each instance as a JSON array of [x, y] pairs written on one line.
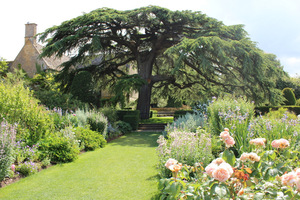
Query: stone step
[[152, 127]]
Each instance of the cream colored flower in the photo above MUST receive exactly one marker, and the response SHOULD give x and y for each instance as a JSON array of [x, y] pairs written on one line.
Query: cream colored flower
[[221, 174], [229, 142], [280, 144], [170, 162], [258, 142]]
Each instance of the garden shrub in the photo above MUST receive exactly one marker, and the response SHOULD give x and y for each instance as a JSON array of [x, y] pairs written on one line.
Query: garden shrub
[[60, 147], [110, 113], [189, 122], [133, 120], [124, 127], [17, 105], [289, 96], [122, 113], [98, 122], [28, 168], [89, 139], [56, 99], [7, 141]]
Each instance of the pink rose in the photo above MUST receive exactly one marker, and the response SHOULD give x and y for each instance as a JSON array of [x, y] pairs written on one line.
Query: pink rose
[[289, 179], [221, 174], [224, 135], [218, 161], [280, 144], [229, 142], [13, 167], [209, 169], [258, 142]]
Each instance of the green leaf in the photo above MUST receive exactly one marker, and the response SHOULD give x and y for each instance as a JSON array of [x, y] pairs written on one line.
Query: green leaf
[[175, 188], [220, 190], [229, 157], [259, 196]]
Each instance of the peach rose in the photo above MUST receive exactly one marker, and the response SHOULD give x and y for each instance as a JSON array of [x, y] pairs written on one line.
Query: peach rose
[[258, 142], [253, 157], [209, 169], [170, 162], [289, 179], [280, 144], [218, 161], [226, 129], [221, 174], [244, 157], [229, 142], [224, 135]]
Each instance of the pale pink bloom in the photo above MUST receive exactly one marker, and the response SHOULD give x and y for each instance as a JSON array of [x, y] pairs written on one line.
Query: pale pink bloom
[[13, 167], [244, 157], [218, 161], [170, 162], [176, 167], [297, 172], [228, 167], [258, 142], [281, 143], [209, 169], [289, 179], [221, 173], [224, 135], [229, 142]]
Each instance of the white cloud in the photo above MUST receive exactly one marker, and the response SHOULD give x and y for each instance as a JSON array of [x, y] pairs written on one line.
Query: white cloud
[[291, 65]]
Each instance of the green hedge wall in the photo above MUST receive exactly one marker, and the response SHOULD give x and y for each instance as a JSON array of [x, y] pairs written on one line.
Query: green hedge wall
[[265, 109], [132, 117]]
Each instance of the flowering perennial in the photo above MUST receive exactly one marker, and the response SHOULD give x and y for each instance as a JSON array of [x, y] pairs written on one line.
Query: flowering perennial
[[225, 136], [280, 144]]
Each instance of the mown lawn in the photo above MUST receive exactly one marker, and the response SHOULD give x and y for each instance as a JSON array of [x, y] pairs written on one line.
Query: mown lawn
[[158, 120], [124, 169]]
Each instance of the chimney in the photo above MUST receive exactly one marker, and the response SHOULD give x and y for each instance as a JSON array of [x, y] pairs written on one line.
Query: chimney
[[30, 32]]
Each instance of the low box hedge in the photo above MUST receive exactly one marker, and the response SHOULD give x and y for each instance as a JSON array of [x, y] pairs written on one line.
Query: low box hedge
[[180, 113], [265, 109], [132, 117]]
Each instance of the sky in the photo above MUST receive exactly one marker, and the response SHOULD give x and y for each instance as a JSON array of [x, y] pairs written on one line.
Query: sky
[[273, 24]]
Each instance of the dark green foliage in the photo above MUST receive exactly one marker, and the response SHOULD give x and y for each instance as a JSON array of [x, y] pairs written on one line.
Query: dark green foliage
[[178, 51], [97, 125], [265, 109], [133, 120], [55, 99], [59, 148], [91, 140], [110, 113], [122, 126], [122, 113], [173, 103], [289, 96], [82, 87]]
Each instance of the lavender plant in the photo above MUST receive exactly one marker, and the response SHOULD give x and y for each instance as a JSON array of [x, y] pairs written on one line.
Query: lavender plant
[[7, 140]]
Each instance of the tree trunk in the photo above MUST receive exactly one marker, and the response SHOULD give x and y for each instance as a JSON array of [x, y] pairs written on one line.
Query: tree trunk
[[145, 64], [144, 101]]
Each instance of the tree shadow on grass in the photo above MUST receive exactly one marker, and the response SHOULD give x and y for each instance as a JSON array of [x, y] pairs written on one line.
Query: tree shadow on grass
[[137, 139]]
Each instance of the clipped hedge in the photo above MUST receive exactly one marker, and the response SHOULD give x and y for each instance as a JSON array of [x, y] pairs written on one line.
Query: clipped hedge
[[290, 96], [153, 113], [132, 117], [265, 109]]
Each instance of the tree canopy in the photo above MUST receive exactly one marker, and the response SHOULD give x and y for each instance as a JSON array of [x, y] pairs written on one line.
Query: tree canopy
[[171, 50]]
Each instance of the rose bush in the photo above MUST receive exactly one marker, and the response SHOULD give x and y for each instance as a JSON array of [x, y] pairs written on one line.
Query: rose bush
[[260, 174]]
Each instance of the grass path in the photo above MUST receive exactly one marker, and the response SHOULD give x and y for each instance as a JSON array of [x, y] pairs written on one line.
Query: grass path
[[124, 169]]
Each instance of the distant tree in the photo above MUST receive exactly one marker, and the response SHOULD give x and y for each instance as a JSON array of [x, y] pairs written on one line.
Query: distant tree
[[171, 50]]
